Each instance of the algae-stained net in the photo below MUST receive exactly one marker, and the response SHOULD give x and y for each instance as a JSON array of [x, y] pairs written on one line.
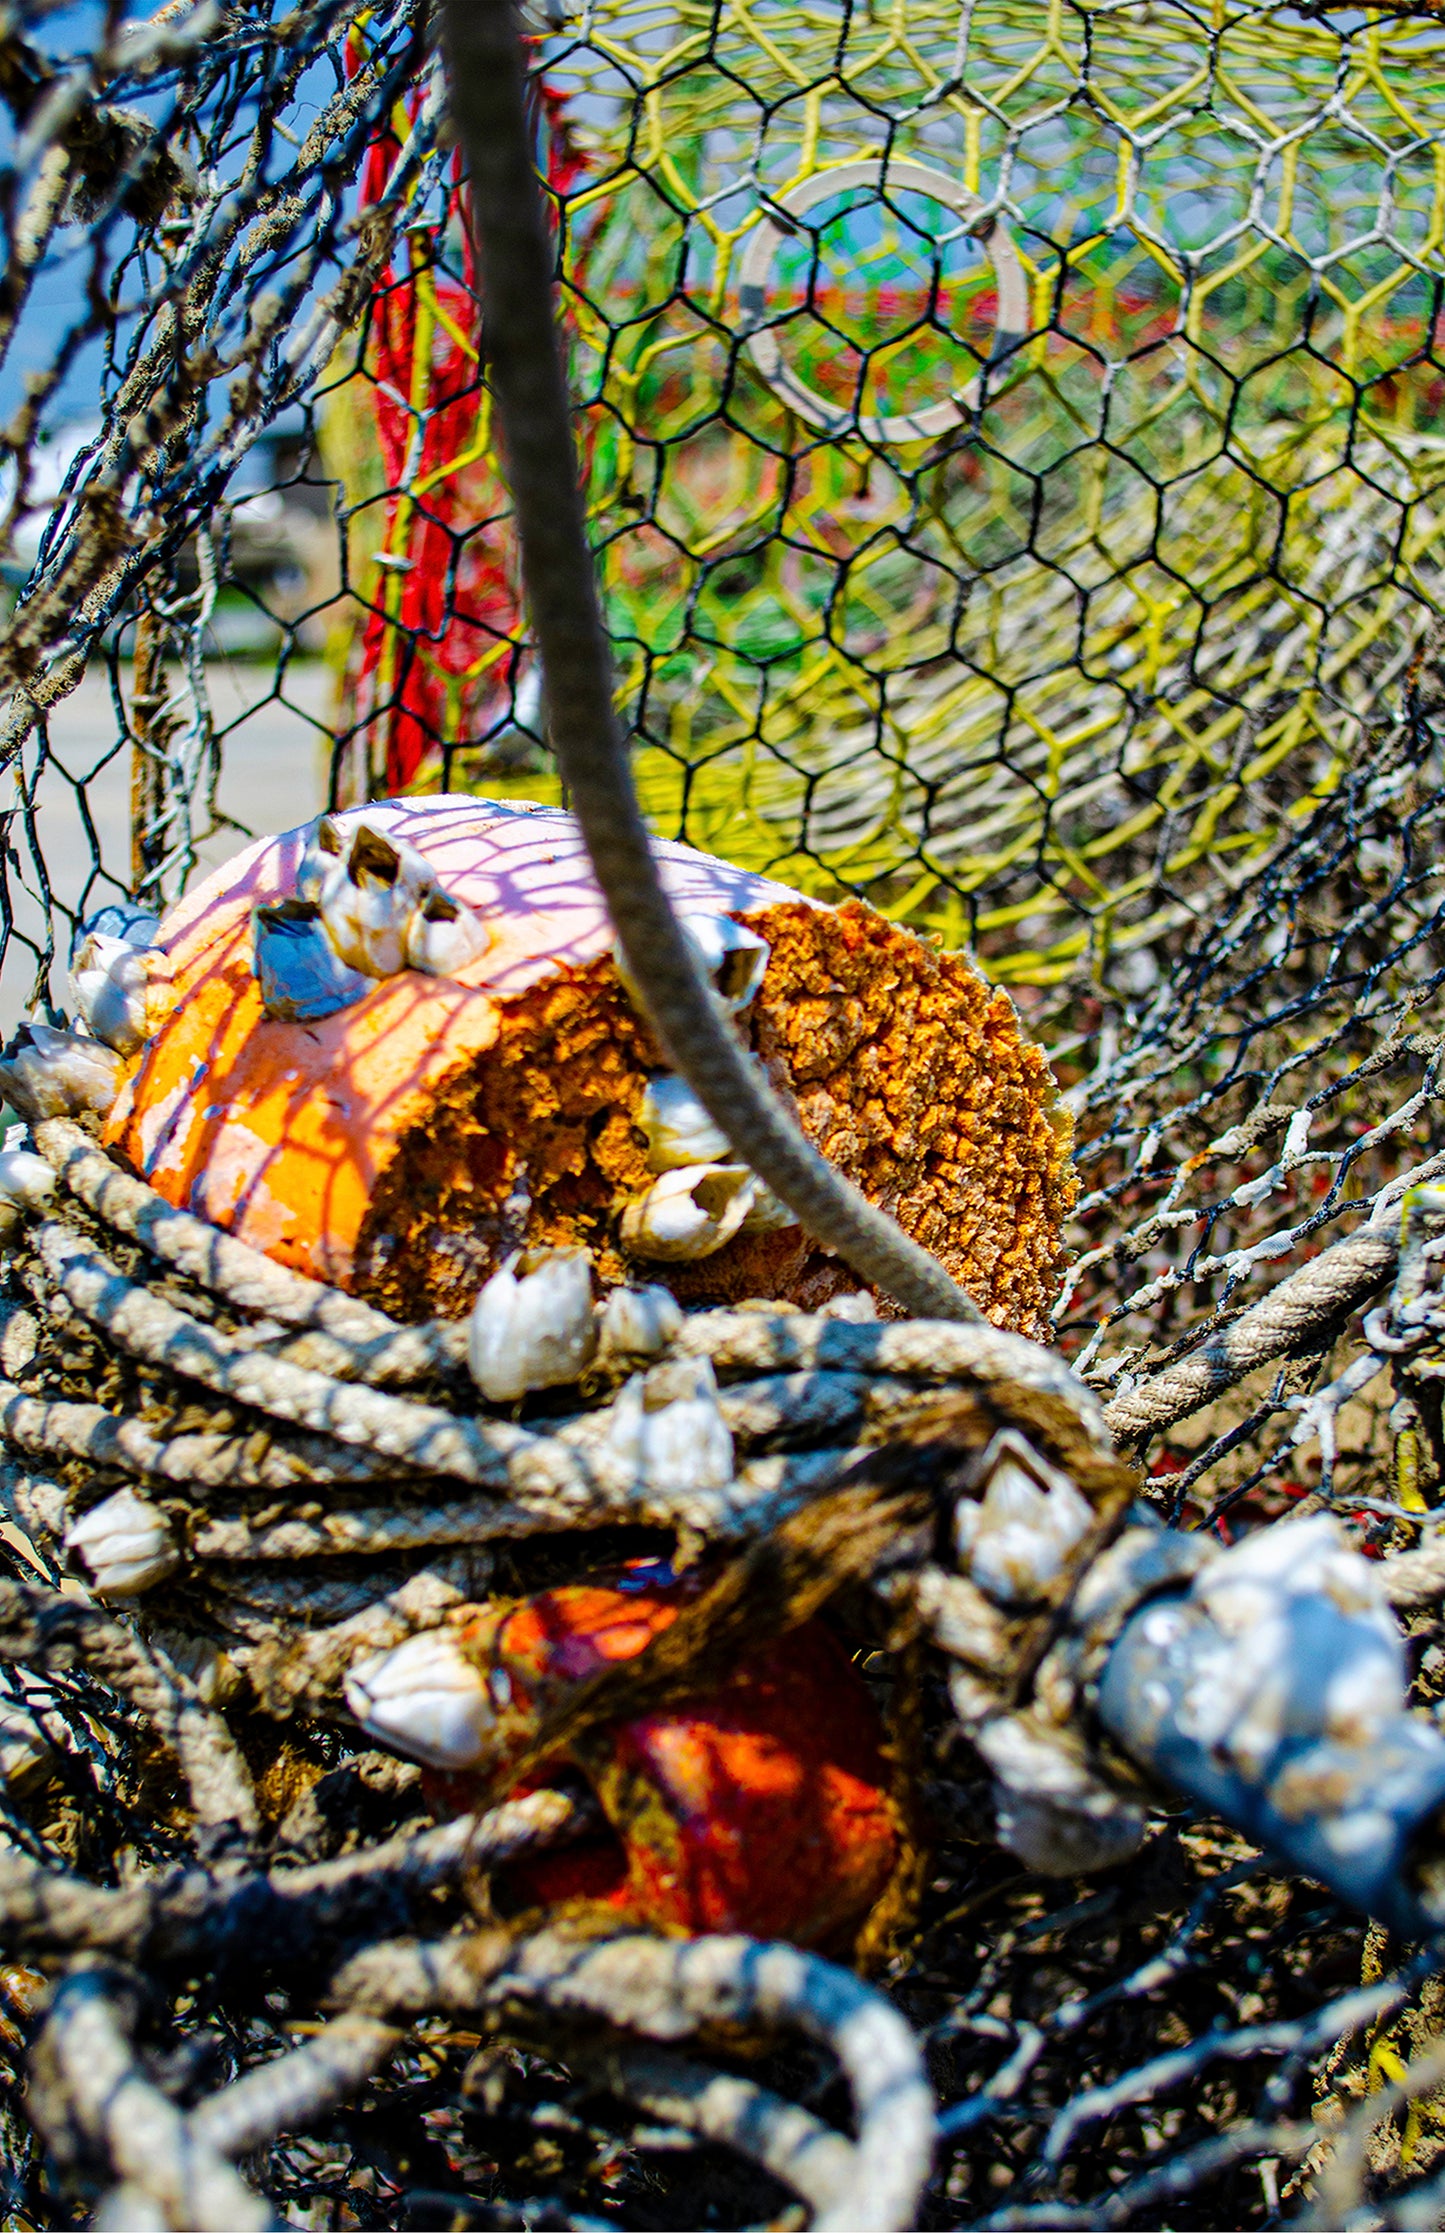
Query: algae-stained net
[[1014, 439]]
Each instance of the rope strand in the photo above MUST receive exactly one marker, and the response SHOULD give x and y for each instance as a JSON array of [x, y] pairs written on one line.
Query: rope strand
[[528, 381]]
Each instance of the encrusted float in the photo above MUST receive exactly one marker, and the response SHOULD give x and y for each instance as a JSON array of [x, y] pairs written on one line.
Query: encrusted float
[[391, 1048]]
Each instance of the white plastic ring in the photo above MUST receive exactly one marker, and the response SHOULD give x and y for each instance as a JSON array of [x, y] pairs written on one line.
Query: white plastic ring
[[1011, 324]]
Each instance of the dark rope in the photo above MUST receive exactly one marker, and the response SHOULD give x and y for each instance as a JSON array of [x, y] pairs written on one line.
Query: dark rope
[[528, 380]]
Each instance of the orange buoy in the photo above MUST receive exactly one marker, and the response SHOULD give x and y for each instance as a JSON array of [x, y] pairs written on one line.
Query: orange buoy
[[390, 1100], [762, 1806]]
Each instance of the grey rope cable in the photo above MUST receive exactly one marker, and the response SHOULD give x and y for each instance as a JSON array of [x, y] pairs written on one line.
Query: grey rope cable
[[1323, 1292], [485, 68]]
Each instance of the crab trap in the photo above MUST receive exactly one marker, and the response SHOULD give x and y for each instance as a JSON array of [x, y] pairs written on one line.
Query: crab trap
[[722, 1326]]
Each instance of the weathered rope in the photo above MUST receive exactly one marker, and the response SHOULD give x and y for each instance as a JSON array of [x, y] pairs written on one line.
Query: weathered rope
[[295, 2089], [934, 1351], [733, 2112], [525, 372], [1292, 1316], [42, 1628], [413, 1436], [53, 1431], [348, 1338], [171, 1919], [89, 2094], [568, 1475], [666, 1990]]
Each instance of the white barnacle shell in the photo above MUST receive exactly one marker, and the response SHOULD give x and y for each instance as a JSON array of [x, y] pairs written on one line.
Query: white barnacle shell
[[108, 988], [424, 1698], [765, 1213], [532, 1325], [49, 1073], [381, 905], [734, 957], [1017, 1541], [26, 1180], [635, 1325], [679, 1130], [126, 1543], [682, 1136], [689, 1213], [369, 897], [667, 1427], [442, 935], [323, 854]]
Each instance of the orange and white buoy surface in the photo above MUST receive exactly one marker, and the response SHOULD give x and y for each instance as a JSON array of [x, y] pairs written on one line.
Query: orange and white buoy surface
[[392, 1146]]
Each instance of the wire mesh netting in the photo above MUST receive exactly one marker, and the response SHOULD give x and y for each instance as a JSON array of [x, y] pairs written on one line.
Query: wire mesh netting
[[1015, 457]]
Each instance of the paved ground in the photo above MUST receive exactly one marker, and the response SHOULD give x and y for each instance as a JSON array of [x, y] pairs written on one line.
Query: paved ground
[[274, 770]]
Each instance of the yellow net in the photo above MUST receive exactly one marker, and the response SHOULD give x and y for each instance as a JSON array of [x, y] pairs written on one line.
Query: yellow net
[[1022, 680]]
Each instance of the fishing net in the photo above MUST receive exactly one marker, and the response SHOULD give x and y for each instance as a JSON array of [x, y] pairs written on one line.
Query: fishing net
[[1014, 443]]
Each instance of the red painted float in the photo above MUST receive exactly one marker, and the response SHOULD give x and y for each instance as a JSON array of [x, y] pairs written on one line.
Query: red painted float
[[763, 1807]]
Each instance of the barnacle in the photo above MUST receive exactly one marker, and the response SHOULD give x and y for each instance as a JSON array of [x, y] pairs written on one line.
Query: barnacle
[[532, 1325]]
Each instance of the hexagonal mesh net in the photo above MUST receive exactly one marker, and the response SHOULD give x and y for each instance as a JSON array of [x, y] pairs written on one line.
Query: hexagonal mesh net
[[1014, 439]]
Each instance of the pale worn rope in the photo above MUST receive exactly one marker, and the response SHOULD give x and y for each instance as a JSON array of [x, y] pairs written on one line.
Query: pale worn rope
[[175, 1917], [730, 2111], [410, 1434], [349, 1339], [760, 1494], [1292, 1316], [40, 1627], [88, 2092], [128, 2208], [527, 380], [295, 2089], [374, 1530], [756, 1498], [808, 1406], [782, 1340], [666, 1989], [538, 1468], [39, 1507], [40, 1428], [793, 1406], [569, 1473], [320, 1594], [297, 1646]]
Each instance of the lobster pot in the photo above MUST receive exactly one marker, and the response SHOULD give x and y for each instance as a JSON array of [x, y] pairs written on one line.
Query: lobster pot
[[467, 1554]]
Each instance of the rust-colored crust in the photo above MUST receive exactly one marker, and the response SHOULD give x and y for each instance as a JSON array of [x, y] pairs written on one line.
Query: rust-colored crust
[[914, 1078], [908, 1071]]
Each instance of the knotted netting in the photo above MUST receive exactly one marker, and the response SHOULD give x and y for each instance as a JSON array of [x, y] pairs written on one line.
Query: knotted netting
[[1013, 443]]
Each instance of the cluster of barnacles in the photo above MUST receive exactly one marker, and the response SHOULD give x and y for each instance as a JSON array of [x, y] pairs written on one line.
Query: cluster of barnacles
[[284, 1505], [368, 905]]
